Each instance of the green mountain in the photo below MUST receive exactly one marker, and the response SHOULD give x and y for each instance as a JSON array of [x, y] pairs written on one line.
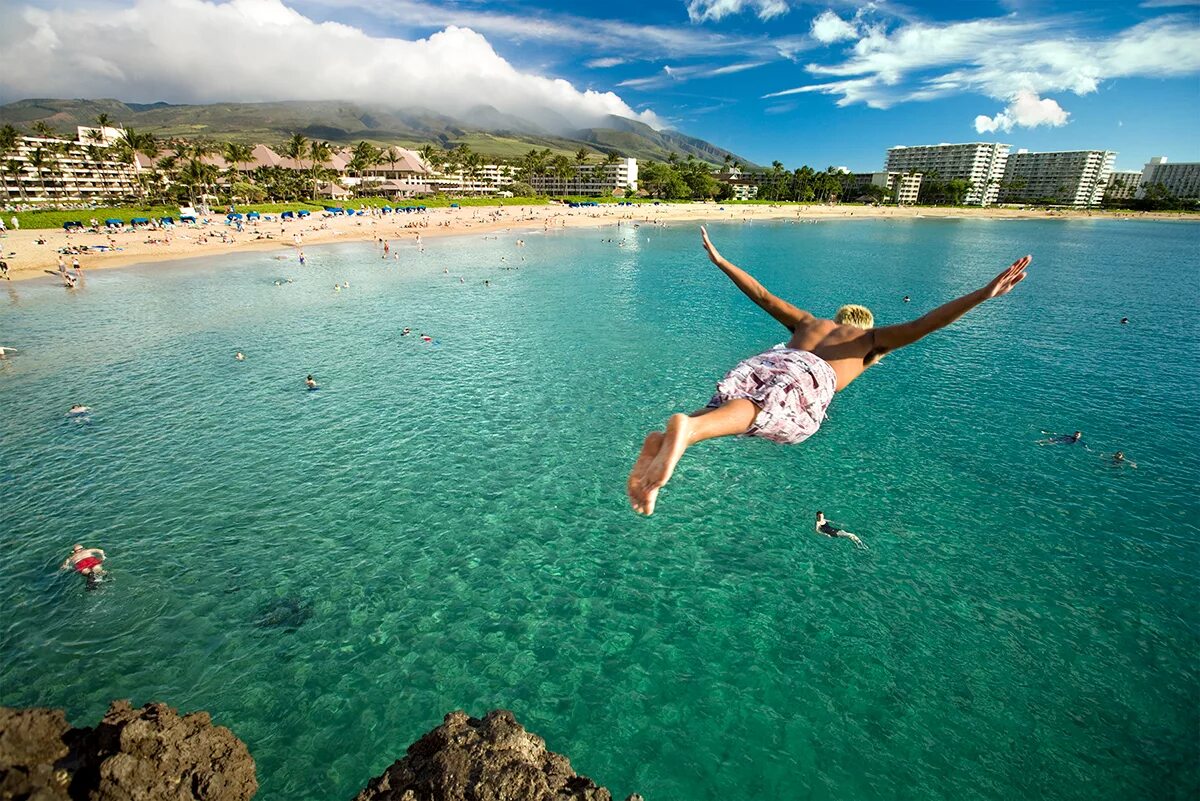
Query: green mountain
[[485, 129]]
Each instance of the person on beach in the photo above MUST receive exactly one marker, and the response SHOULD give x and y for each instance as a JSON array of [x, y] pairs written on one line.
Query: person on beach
[[827, 528], [782, 394], [86, 562]]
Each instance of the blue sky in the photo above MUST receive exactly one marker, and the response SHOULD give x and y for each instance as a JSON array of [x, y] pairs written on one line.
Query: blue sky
[[822, 83]]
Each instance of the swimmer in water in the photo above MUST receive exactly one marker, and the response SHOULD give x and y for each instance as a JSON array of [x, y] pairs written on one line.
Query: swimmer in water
[[241, 357], [302, 258], [1062, 439], [1124, 321], [782, 393], [827, 528], [406, 332], [311, 382], [79, 410], [1119, 460], [5, 350], [86, 562], [907, 298]]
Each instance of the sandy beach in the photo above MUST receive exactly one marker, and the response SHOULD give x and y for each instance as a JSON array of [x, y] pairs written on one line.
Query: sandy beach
[[33, 254]]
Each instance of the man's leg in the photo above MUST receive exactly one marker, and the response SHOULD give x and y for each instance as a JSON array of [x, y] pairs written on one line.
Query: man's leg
[[683, 431]]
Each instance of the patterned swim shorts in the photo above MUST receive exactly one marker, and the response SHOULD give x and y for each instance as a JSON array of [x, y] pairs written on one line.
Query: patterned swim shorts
[[791, 388]]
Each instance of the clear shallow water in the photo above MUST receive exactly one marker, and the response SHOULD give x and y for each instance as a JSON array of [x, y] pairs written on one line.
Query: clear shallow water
[[444, 526]]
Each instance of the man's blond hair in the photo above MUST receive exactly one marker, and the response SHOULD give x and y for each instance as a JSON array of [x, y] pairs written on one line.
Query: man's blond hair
[[855, 315]]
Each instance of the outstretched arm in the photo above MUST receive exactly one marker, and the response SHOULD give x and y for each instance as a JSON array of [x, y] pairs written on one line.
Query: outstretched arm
[[780, 309], [891, 337]]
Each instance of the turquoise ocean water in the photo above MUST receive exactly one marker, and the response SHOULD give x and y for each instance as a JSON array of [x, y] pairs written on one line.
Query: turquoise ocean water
[[444, 526]]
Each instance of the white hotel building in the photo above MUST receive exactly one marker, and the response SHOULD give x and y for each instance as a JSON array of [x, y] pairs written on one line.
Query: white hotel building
[[87, 169], [590, 179], [1182, 180], [1123, 184], [1067, 177], [981, 163]]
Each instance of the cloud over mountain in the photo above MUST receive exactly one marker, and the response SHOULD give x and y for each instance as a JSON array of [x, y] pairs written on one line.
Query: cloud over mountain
[[256, 50]]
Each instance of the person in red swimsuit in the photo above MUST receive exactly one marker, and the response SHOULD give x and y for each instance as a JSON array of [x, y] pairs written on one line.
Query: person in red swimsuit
[[84, 561]]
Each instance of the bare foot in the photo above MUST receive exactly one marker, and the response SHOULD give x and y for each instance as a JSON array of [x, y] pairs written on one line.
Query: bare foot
[[634, 487], [658, 473]]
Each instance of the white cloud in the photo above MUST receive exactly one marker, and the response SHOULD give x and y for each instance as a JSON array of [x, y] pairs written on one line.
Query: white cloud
[[705, 10], [999, 58], [258, 50], [1027, 110], [604, 63], [828, 27]]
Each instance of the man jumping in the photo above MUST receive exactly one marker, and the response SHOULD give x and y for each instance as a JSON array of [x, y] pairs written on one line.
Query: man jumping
[[782, 394]]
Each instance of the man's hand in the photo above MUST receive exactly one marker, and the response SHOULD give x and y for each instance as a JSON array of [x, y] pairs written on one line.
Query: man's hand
[[1003, 283], [708, 246]]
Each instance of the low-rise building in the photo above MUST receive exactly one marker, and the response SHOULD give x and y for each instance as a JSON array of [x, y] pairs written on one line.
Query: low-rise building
[[1067, 177], [591, 180], [902, 188], [1182, 179], [1122, 185], [743, 185], [981, 164]]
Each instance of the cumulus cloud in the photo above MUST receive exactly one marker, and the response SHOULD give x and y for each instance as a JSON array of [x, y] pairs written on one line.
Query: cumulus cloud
[[999, 58], [262, 50], [1027, 110], [828, 27], [706, 10]]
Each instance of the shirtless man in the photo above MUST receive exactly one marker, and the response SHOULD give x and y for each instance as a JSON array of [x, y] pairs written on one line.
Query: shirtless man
[[782, 394], [85, 561], [827, 528]]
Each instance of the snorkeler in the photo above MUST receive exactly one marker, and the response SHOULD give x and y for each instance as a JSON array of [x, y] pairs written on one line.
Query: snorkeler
[[311, 383], [827, 528], [782, 394], [1062, 439], [1119, 460], [85, 561]]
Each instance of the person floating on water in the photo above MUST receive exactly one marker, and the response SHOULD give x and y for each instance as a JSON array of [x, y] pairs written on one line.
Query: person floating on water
[[241, 357], [827, 528], [1124, 321], [406, 331], [907, 299], [1063, 439], [5, 350], [1119, 460], [79, 410], [311, 383], [86, 562], [782, 394]]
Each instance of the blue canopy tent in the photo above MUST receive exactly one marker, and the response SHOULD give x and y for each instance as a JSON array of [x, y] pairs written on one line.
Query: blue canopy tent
[[287, 215], [303, 213], [386, 208], [113, 222], [252, 215], [187, 218], [167, 220], [69, 224], [420, 208], [233, 215], [139, 221], [454, 206], [335, 210]]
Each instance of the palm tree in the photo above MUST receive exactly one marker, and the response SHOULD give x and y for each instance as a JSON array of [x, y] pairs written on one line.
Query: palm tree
[[581, 156], [295, 148], [9, 137], [319, 152], [15, 170], [40, 128], [39, 162]]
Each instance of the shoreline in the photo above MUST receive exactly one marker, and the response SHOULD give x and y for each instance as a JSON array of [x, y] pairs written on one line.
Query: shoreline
[[31, 260]]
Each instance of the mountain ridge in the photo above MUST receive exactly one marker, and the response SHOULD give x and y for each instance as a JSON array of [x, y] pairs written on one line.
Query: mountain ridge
[[483, 128]]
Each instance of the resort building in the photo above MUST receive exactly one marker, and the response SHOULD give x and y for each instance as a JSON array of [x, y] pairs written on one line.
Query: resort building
[[980, 163], [743, 185], [45, 169], [1182, 180], [591, 179], [901, 187], [1122, 185], [1066, 177]]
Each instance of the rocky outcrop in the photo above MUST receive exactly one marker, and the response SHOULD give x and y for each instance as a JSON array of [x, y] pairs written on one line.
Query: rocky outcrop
[[153, 754], [132, 755], [493, 759]]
